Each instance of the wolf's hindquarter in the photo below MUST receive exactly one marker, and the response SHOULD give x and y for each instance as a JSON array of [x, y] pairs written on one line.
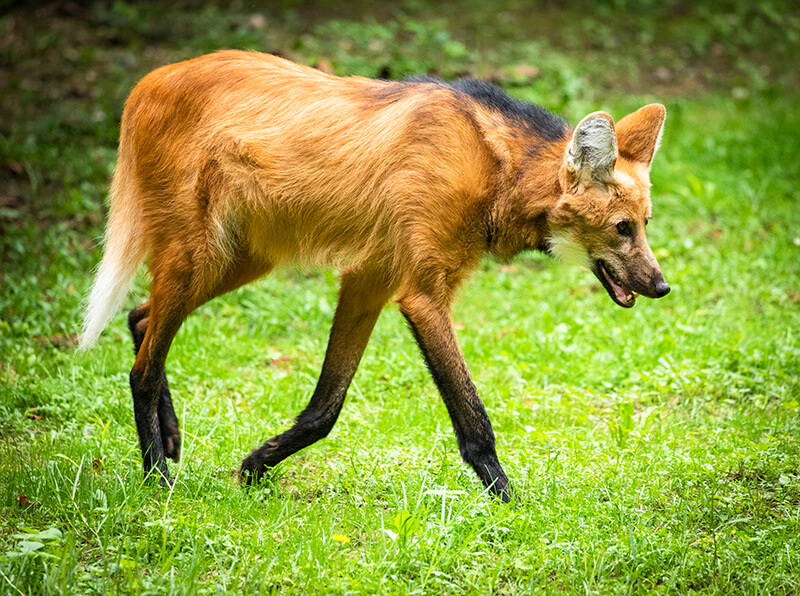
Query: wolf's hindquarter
[[234, 163]]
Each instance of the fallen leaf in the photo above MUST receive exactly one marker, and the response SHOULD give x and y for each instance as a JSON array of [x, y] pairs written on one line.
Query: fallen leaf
[[493, 75], [60, 340], [16, 167], [257, 21], [525, 71], [324, 65], [279, 360]]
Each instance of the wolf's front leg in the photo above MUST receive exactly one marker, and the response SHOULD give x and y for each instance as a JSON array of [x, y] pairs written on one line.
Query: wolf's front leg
[[433, 329]]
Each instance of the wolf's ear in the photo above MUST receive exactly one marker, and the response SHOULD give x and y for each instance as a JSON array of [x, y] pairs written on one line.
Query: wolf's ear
[[639, 133], [592, 152]]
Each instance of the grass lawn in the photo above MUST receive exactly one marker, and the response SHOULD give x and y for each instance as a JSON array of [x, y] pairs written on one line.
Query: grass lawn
[[655, 450]]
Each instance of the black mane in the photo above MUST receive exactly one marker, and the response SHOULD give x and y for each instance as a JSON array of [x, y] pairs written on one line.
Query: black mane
[[535, 118]]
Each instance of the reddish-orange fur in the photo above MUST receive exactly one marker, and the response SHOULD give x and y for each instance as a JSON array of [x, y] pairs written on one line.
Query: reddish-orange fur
[[234, 163]]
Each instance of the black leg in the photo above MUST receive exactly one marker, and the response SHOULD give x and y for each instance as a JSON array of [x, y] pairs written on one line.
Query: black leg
[[361, 299], [168, 308], [145, 411], [167, 420], [433, 330], [171, 301]]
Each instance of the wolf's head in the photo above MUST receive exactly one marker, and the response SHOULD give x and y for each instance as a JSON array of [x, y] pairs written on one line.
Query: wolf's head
[[600, 218]]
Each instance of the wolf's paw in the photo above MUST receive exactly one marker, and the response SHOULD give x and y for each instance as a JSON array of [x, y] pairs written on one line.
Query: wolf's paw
[[251, 471], [171, 440], [160, 475]]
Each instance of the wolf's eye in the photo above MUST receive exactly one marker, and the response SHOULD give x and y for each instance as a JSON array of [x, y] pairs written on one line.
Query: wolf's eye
[[624, 227]]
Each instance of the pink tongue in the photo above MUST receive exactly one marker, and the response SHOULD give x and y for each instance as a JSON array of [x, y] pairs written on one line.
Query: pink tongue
[[620, 293], [619, 290]]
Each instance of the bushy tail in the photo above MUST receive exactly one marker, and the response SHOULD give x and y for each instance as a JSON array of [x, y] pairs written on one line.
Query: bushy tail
[[123, 255]]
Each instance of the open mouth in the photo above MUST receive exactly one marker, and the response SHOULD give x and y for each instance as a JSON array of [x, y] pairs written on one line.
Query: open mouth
[[618, 291]]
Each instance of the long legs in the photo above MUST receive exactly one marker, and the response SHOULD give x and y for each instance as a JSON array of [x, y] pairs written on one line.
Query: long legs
[[153, 326], [432, 327], [166, 314], [138, 319], [361, 299]]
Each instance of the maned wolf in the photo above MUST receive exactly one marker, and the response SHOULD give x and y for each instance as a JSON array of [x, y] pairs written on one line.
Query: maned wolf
[[234, 163]]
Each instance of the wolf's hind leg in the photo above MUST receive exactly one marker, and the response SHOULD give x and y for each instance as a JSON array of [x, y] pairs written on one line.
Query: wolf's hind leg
[[241, 273], [138, 319]]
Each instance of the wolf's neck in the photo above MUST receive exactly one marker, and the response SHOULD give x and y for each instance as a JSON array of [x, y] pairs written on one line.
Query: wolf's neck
[[530, 189]]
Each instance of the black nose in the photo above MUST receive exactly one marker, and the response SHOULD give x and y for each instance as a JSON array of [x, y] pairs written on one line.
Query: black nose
[[662, 289]]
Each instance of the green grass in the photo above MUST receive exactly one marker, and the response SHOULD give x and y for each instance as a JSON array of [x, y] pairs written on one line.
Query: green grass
[[655, 450]]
